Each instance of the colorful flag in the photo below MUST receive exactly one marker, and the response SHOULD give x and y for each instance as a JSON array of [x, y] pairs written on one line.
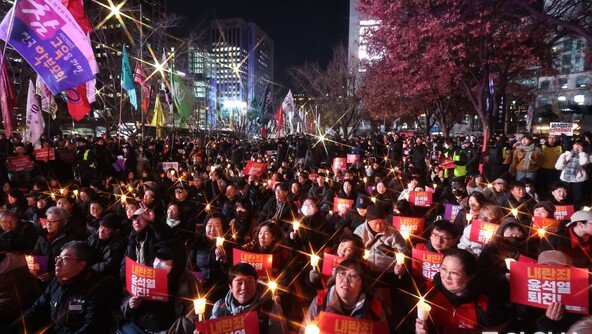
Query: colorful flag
[[7, 99], [158, 118], [184, 99], [76, 8], [48, 103], [127, 81], [165, 85], [34, 118], [279, 121], [51, 41], [266, 106], [78, 105], [140, 78]]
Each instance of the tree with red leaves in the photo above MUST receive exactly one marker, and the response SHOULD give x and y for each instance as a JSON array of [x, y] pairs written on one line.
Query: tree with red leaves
[[432, 48]]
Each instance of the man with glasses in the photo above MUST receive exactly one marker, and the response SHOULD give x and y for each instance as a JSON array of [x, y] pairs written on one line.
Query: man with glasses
[[573, 239], [76, 300], [443, 236]]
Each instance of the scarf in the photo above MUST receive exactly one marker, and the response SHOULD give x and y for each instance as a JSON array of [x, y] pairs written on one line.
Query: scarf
[[570, 172], [527, 155]]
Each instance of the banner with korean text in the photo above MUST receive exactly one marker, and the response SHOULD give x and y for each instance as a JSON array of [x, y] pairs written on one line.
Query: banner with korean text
[[49, 39], [255, 168], [539, 285], [564, 212], [420, 198], [44, 154], [145, 282], [341, 324], [482, 232], [409, 225], [425, 264], [544, 224], [263, 263], [450, 211], [330, 261], [342, 204], [37, 264], [17, 163], [244, 323], [339, 164]]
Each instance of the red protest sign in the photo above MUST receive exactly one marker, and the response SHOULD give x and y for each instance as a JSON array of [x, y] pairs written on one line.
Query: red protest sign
[[44, 154], [339, 164], [342, 204], [255, 168], [563, 212], [412, 225], [425, 264], [19, 163], [420, 198], [330, 261], [336, 323], [526, 259], [146, 282], [37, 264], [263, 263], [447, 163], [244, 323], [482, 232], [539, 285], [353, 158], [451, 211], [547, 224]]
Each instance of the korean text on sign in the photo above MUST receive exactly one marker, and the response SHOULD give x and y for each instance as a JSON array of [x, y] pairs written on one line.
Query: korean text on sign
[[244, 323], [146, 282], [425, 264]]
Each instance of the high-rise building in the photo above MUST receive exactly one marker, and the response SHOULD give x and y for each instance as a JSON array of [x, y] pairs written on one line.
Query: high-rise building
[[243, 61], [359, 27]]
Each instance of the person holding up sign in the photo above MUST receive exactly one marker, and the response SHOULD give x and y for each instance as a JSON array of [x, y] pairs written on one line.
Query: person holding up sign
[[246, 295], [455, 299], [574, 239]]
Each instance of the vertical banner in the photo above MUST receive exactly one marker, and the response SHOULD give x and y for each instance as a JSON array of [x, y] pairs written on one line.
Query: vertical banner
[[482, 232], [450, 211], [425, 264], [342, 204], [564, 212], [339, 164], [413, 225], [420, 198], [244, 323], [335, 323], [539, 285], [51, 41], [146, 282], [263, 263]]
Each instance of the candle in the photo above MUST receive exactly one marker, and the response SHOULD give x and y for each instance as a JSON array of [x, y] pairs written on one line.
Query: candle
[[75, 191], [373, 199], [365, 179], [272, 285], [508, 261], [489, 185], [199, 305], [208, 207], [366, 254], [219, 241], [312, 329], [123, 198], [62, 191], [469, 217], [423, 310], [435, 186], [400, 257], [314, 260], [405, 234], [541, 232], [514, 212], [295, 225], [53, 196], [330, 212], [130, 188]]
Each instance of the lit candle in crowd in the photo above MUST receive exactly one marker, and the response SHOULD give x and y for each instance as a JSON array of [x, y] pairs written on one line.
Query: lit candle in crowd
[[312, 329], [272, 285], [435, 186], [365, 179], [295, 225], [53, 196], [423, 310], [208, 207], [123, 198], [75, 191], [366, 254], [508, 262], [62, 191], [314, 260], [373, 199], [541, 232], [200, 306], [405, 234], [130, 188], [469, 217], [489, 185], [219, 241], [400, 257], [514, 212]]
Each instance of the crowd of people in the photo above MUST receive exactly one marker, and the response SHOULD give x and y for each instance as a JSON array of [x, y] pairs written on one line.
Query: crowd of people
[[167, 203]]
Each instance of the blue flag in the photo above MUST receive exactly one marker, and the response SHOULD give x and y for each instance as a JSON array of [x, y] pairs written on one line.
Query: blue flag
[[127, 80]]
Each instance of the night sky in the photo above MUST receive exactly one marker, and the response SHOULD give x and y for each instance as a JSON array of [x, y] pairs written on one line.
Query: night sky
[[302, 30]]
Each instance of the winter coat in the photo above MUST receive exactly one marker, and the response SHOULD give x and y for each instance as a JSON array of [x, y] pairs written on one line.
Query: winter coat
[[381, 246], [53, 248], [18, 287], [108, 254], [22, 239], [581, 174], [519, 163]]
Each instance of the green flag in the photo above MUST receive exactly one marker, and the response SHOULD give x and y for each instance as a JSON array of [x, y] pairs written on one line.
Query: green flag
[[127, 81], [184, 99]]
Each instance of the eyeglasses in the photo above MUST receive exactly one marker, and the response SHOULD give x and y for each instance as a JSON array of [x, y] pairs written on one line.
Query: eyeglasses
[[440, 237], [178, 191], [351, 278], [65, 259]]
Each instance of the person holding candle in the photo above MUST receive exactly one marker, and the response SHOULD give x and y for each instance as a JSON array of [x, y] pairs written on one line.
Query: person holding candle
[[455, 299], [246, 295], [517, 198], [267, 239], [489, 213], [348, 293]]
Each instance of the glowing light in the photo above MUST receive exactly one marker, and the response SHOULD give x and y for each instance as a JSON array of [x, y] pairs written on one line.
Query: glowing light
[[541, 232], [423, 310], [130, 188], [272, 285], [435, 186], [115, 10], [53, 196], [365, 179], [123, 198], [219, 241], [366, 254], [508, 262], [199, 305], [489, 185], [208, 207], [373, 199], [312, 329], [75, 191], [406, 235], [62, 191], [586, 208], [469, 217], [314, 260], [400, 258], [330, 212], [514, 212]]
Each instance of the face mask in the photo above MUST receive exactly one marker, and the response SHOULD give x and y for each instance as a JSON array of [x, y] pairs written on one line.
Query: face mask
[[514, 240], [308, 210], [158, 264], [173, 222]]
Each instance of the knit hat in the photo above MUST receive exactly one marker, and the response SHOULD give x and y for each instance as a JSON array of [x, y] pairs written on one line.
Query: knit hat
[[110, 220], [374, 212], [554, 258], [500, 180]]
